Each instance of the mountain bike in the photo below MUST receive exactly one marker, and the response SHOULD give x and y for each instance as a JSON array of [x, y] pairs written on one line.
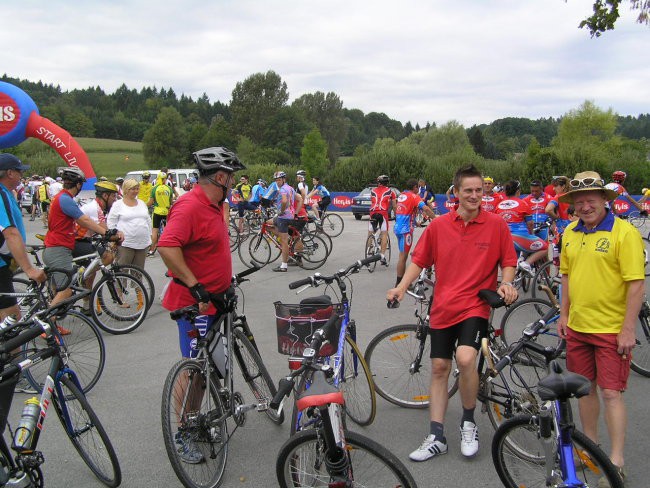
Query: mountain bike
[[62, 389], [199, 396], [327, 455], [296, 324]]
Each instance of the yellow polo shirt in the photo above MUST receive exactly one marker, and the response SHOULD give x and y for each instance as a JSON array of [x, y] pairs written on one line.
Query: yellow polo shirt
[[598, 264]]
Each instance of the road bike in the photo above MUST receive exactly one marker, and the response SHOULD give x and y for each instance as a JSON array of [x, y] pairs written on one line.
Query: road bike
[[63, 391], [296, 323], [373, 245], [199, 397], [330, 223], [328, 455]]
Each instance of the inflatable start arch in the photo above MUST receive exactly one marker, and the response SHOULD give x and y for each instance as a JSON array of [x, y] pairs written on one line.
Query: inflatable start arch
[[20, 119]]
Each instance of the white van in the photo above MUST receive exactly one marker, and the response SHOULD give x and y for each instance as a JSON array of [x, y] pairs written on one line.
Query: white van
[[178, 176]]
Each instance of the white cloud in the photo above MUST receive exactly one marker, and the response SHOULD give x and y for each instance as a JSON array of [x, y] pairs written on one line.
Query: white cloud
[[469, 60]]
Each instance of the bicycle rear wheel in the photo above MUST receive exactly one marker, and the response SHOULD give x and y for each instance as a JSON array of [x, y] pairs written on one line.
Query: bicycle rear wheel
[[86, 433], [82, 347], [119, 303], [255, 374], [314, 253], [301, 462], [641, 353], [142, 276], [332, 225], [546, 275], [519, 457], [391, 354], [357, 385], [191, 412], [524, 313]]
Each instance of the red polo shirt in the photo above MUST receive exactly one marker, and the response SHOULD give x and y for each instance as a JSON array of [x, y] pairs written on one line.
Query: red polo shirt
[[196, 226], [466, 259]]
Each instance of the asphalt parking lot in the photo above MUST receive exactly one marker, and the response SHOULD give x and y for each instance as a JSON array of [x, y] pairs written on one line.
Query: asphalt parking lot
[[128, 395]]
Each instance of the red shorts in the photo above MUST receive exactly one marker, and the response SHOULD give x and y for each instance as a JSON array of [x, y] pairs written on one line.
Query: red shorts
[[595, 356]]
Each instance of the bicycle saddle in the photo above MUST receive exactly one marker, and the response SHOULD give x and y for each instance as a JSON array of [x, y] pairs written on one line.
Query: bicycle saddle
[[492, 298], [191, 312], [34, 247], [320, 392], [561, 384]]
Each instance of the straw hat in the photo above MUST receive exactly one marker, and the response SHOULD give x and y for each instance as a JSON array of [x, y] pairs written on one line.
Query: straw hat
[[587, 181]]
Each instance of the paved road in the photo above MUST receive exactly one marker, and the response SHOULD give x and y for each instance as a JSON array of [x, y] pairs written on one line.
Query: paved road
[[128, 396]]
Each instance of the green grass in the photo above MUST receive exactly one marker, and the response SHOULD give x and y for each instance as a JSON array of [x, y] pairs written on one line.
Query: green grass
[[113, 158]]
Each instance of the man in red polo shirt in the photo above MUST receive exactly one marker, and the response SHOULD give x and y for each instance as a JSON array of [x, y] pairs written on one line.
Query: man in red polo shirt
[[466, 246]]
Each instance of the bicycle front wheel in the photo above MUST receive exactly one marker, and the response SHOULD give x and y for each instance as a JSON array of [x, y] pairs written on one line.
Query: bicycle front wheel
[[391, 356], [641, 353], [523, 313], [332, 225], [142, 276], [545, 275], [301, 462], [259, 249], [357, 385], [119, 303], [314, 253], [82, 346], [520, 460], [194, 430], [86, 432], [255, 374], [371, 250]]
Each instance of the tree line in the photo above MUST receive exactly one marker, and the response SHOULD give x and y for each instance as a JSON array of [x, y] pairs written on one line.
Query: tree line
[[317, 133]]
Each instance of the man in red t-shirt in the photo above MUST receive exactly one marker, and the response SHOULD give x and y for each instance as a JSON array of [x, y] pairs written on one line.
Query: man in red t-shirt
[[490, 198], [382, 199], [466, 246]]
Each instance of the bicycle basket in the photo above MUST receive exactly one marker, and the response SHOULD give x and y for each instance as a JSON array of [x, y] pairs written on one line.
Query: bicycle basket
[[297, 323]]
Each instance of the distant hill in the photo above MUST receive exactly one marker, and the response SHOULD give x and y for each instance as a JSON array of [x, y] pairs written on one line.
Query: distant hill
[[112, 158]]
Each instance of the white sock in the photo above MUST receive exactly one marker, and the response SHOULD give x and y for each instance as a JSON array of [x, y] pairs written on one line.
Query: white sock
[[283, 265]]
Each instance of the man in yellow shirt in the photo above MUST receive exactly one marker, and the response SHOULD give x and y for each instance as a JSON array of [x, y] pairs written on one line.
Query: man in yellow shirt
[[602, 267], [161, 198], [144, 193]]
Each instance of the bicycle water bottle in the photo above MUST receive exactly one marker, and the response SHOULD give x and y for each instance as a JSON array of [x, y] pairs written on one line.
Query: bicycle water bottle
[[7, 322], [26, 432]]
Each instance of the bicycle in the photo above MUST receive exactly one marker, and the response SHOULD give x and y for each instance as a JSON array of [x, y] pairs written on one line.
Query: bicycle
[[544, 448], [328, 454], [641, 353], [199, 394], [330, 223], [62, 390], [77, 336], [373, 245]]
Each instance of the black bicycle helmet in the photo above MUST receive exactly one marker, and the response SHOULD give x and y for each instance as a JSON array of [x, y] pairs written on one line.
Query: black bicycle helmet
[[383, 179], [73, 174], [213, 159]]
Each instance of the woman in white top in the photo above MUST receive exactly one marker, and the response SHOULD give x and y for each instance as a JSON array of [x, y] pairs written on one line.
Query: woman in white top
[[131, 216]]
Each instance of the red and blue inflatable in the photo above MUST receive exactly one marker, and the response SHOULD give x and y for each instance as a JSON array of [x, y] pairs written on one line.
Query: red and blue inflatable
[[20, 119]]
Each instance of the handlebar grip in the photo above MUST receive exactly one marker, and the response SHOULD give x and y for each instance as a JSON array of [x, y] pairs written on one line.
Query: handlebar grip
[[255, 267], [23, 338], [503, 362], [394, 303], [299, 283], [370, 259], [284, 389]]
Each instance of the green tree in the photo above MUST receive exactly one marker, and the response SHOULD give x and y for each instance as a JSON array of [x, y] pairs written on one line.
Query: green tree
[[606, 14], [286, 130], [313, 155], [219, 134], [255, 101], [165, 143]]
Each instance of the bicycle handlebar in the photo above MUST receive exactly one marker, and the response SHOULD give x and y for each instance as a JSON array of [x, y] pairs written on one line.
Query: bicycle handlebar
[[23, 338], [317, 278], [238, 278]]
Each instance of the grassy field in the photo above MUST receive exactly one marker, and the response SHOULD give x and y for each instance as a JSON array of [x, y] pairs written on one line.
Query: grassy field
[[113, 158]]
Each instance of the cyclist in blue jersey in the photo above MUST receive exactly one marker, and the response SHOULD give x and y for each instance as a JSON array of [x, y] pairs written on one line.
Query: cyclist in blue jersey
[[408, 205], [320, 190], [258, 192]]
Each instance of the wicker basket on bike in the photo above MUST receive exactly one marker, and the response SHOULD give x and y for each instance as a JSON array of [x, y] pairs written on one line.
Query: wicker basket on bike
[[296, 324]]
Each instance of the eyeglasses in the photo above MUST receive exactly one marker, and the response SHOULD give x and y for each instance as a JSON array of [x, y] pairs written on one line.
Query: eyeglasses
[[586, 183]]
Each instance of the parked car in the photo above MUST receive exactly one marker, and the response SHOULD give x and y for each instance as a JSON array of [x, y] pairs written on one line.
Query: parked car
[[179, 176], [361, 203], [26, 200]]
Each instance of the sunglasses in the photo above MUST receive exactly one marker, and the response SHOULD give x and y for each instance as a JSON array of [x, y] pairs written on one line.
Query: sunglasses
[[586, 183]]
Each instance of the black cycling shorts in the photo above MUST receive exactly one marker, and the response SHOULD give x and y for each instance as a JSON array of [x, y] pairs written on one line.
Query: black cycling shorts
[[469, 332], [157, 220], [324, 203], [376, 220], [6, 286]]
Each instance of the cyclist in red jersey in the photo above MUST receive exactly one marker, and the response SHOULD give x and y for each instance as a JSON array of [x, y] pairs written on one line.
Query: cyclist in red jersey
[[382, 198], [556, 210], [537, 200], [618, 178], [490, 198]]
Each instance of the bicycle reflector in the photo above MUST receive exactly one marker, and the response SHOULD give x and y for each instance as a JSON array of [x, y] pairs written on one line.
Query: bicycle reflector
[[193, 333], [295, 363]]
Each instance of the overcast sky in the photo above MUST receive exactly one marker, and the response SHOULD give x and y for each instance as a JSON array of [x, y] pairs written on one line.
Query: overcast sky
[[473, 61]]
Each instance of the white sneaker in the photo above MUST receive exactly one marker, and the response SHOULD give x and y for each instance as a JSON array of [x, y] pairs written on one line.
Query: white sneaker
[[526, 268], [469, 439], [429, 448]]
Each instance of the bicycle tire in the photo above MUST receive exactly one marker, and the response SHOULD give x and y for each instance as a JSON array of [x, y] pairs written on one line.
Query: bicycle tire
[[370, 250], [372, 464], [85, 431], [83, 349], [314, 253], [255, 374], [139, 273], [108, 296], [524, 313], [641, 353], [516, 467], [357, 385], [389, 356], [307, 234], [259, 249], [332, 225], [545, 275], [210, 440], [233, 237]]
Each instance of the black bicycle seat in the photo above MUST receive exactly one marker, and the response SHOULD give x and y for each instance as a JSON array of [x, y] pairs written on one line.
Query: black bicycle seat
[[492, 298], [190, 312], [561, 384]]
